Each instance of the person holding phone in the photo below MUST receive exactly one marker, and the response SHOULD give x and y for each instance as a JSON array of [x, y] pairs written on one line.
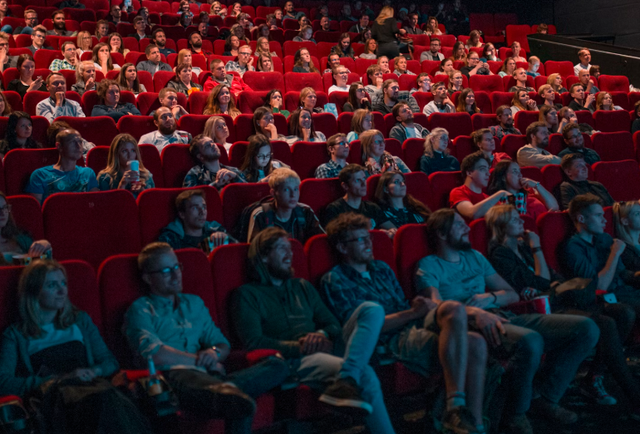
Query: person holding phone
[[26, 83]]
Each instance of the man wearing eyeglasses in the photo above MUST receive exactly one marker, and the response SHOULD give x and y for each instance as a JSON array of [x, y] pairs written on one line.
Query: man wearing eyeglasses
[[6, 61], [341, 76], [30, 20], [208, 170], [243, 63], [38, 37], [176, 331], [338, 149], [115, 14]]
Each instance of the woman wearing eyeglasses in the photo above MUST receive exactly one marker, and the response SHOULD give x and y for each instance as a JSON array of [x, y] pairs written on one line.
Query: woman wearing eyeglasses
[[258, 161], [275, 102]]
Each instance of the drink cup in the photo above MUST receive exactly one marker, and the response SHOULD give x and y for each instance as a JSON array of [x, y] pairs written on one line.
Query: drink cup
[[542, 305], [134, 165]]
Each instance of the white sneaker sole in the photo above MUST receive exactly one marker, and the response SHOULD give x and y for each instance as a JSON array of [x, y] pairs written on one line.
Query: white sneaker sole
[[352, 403]]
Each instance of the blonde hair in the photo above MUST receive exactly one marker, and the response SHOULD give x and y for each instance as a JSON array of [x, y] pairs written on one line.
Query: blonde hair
[[181, 55], [358, 118], [259, 50], [385, 12], [621, 210], [305, 93], [114, 168], [497, 219], [279, 176], [210, 126], [366, 141], [451, 74], [434, 135], [542, 89], [79, 42], [600, 100], [80, 69], [551, 80]]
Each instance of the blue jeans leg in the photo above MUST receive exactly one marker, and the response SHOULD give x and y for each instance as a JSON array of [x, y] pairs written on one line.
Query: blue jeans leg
[[26, 31], [7, 29]]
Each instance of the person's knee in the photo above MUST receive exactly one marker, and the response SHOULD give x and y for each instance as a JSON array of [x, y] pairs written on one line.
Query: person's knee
[[370, 311], [452, 312], [477, 349], [588, 331], [530, 348]]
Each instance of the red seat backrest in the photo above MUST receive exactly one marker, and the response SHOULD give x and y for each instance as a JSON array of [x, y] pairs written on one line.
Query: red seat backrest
[[99, 130], [463, 146], [83, 289], [614, 83], [410, 245], [441, 184], [500, 98], [621, 178], [457, 124], [487, 83], [523, 119], [27, 214], [20, 163], [249, 101], [236, 197], [614, 146], [176, 162], [611, 121], [564, 68], [318, 193], [137, 126], [326, 123], [483, 120], [511, 143], [264, 81], [554, 229], [412, 151], [307, 156], [31, 100], [97, 158], [296, 81]]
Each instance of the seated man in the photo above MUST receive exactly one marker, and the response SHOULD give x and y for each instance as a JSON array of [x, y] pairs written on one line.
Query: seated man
[[577, 182], [338, 149], [457, 272], [354, 183], [176, 331], [38, 36], [167, 133], [59, 25], [243, 62], [469, 199], [410, 330], [585, 58], [6, 61], [159, 39], [575, 144], [195, 44], [434, 51], [57, 104], [169, 98], [140, 26], [208, 170], [534, 153], [65, 176], [69, 61], [278, 311], [153, 63], [505, 125], [219, 77], [405, 128], [441, 102], [30, 20], [585, 80], [191, 228], [383, 99], [285, 212], [581, 101], [361, 26]]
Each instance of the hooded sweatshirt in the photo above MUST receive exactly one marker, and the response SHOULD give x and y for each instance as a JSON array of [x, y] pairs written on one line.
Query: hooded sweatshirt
[[173, 234]]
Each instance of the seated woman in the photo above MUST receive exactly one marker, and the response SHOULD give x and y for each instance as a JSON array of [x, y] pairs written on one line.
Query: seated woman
[[275, 102], [383, 63], [235, 10], [534, 65], [53, 340], [370, 49], [521, 81], [446, 67], [515, 49], [182, 82], [301, 128], [231, 46], [455, 82], [529, 197], [16, 242], [436, 156], [25, 83], [262, 47], [400, 66], [128, 79], [238, 31], [508, 67], [5, 107], [555, 81], [549, 115], [110, 105], [305, 35], [485, 142], [604, 101], [84, 43], [361, 121], [263, 123], [399, 207], [185, 56], [220, 102], [114, 41], [423, 83], [365, 35], [432, 27], [18, 134], [358, 98], [102, 58], [517, 256], [344, 48], [85, 77], [258, 161], [374, 157], [216, 128], [374, 76], [340, 77], [566, 115], [467, 102], [521, 101], [474, 40], [308, 99], [265, 64], [302, 62], [474, 66], [119, 173], [459, 52], [489, 52]]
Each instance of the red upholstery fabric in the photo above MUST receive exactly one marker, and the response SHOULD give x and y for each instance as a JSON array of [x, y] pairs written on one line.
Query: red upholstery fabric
[[318, 193], [97, 158], [296, 81], [137, 126], [412, 150], [441, 184], [176, 162], [564, 68], [621, 178], [248, 102], [235, 197], [457, 124], [31, 100], [463, 146], [554, 228], [523, 119], [511, 143], [325, 122], [487, 83], [264, 81], [614, 146], [28, 215], [500, 98], [613, 83], [291, 100], [20, 163], [484, 120], [307, 156], [609, 121], [99, 130], [194, 124], [410, 245]]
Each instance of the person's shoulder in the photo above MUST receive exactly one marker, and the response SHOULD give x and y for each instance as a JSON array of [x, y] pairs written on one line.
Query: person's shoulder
[[44, 171]]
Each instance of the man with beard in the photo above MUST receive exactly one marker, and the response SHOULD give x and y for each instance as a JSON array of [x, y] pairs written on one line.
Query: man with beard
[[390, 89], [410, 330], [338, 149], [159, 38], [290, 13], [59, 27], [167, 132], [57, 104], [169, 98], [535, 153], [218, 77], [441, 102], [505, 126], [70, 60], [115, 14], [153, 63], [469, 199], [278, 311], [191, 229], [208, 170], [576, 174], [195, 43], [575, 144], [457, 272], [405, 128], [325, 24]]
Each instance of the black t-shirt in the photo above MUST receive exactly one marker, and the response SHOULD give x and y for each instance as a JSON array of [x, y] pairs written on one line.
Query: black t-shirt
[[367, 209]]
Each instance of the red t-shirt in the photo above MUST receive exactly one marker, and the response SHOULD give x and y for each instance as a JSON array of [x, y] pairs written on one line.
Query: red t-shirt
[[463, 193]]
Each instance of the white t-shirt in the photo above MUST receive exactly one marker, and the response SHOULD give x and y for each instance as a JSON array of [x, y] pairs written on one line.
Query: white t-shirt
[[335, 88]]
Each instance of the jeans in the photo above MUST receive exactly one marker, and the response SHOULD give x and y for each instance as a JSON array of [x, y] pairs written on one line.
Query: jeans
[[360, 333], [192, 388], [565, 339]]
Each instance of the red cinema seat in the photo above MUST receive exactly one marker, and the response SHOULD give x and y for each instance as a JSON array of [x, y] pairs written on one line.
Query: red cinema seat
[[523, 119], [153, 163], [44, 58], [264, 81], [10, 277], [197, 102], [99, 130], [344, 122], [511, 143], [318, 193], [483, 120], [91, 98], [20, 163], [243, 125], [339, 99], [564, 68], [307, 156], [248, 101], [296, 81], [422, 98], [157, 209], [613, 83], [457, 124], [441, 184], [291, 100], [176, 162], [194, 124], [97, 158], [83, 289], [289, 48], [325, 123], [483, 101], [552, 177], [412, 151], [500, 98], [463, 146], [621, 178], [410, 245], [14, 99], [236, 197], [26, 211], [31, 100], [554, 229], [137, 126], [92, 226], [611, 121], [487, 83], [614, 146], [479, 235], [161, 78]]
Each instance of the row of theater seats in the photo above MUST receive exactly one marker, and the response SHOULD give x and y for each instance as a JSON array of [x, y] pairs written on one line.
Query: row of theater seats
[[93, 226]]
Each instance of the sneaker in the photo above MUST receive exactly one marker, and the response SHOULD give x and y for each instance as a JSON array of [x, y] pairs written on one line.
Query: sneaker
[[459, 420], [547, 409], [517, 424], [594, 389], [345, 393]]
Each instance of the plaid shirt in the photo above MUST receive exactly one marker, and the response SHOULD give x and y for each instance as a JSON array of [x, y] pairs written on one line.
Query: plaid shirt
[[328, 170], [500, 132], [200, 175], [235, 66], [403, 96], [59, 64], [344, 289]]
